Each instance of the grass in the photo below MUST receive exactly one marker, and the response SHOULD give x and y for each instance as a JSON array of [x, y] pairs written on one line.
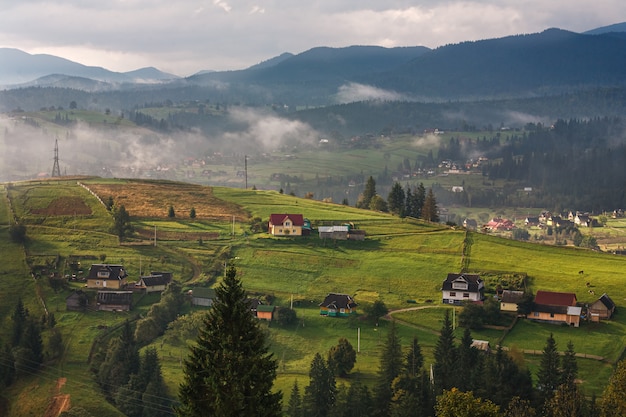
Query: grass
[[400, 260]]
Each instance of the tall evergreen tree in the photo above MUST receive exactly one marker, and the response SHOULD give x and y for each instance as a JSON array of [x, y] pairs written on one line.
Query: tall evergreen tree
[[466, 358], [229, 371], [419, 196], [391, 363], [549, 374], [445, 357], [19, 316], [120, 362], [569, 366], [121, 222], [429, 210], [396, 200], [358, 401], [321, 393], [294, 407], [368, 193]]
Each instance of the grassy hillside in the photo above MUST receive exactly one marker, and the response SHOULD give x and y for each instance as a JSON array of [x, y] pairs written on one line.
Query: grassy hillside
[[400, 260]]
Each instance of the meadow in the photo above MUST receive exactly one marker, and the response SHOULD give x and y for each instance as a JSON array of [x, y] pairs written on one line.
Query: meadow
[[402, 262]]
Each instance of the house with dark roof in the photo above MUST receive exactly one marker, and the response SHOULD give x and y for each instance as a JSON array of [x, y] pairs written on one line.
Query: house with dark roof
[[337, 305], [106, 276], [602, 308], [155, 282], [286, 224], [556, 307], [458, 288]]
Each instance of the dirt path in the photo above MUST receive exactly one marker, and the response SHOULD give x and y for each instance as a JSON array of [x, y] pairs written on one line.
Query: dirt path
[[391, 313], [59, 402]]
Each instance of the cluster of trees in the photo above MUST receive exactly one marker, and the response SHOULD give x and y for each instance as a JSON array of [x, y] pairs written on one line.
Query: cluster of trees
[[414, 202], [463, 382], [161, 314], [24, 353], [132, 382]]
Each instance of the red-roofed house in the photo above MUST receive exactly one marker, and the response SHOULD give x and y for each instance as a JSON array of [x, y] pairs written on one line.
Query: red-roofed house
[[556, 307], [286, 224]]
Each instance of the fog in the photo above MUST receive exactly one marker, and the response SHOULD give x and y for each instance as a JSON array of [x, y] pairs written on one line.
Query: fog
[[27, 147]]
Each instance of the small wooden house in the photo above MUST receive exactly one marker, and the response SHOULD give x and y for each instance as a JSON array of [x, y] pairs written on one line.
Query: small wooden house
[[115, 300], [556, 307], [337, 305], [333, 232], [201, 296], [601, 309], [509, 300], [155, 282], [265, 312], [106, 276]]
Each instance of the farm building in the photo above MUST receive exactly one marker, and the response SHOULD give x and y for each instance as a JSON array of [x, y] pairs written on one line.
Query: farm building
[[265, 312], [115, 300], [337, 305], [155, 282], [602, 308], [509, 300], [105, 276], [201, 296], [556, 307], [462, 287], [333, 232], [286, 224]]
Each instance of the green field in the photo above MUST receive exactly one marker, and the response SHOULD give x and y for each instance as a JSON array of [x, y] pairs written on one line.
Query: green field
[[400, 260]]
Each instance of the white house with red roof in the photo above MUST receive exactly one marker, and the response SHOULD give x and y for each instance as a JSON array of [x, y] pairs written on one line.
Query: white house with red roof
[[286, 224]]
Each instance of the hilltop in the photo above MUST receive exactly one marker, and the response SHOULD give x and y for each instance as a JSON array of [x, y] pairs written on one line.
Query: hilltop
[[400, 260]]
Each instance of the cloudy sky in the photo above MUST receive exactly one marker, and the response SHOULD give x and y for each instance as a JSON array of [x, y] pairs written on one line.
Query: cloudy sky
[[186, 36]]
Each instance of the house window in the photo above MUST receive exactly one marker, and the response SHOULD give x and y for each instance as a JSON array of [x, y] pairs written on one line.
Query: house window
[[536, 314], [97, 283], [287, 223], [465, 295], [552, 315], [103, 274], [452, 294], [459, 285]]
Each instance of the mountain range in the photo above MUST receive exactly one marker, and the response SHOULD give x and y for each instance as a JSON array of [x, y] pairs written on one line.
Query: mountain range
[[551, 62]]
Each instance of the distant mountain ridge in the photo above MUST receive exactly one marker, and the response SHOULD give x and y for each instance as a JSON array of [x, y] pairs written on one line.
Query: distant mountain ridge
[[554, 61], [19, 67]]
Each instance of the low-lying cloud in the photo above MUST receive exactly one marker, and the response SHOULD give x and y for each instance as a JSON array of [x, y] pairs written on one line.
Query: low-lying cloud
[[352, 92]]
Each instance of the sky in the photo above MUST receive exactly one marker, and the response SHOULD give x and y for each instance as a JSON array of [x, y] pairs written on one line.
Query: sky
[[183, 37]]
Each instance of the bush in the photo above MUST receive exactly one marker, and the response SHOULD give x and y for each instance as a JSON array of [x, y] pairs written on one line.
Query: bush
[[286, 316]]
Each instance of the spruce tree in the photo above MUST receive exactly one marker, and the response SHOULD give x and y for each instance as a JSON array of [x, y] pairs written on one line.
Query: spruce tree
[[445, 357], [294, 407], [120, 362], [391, 364], [396, 200], [368, 193], [229, 371], [321, 393], [569, 366], [549, 375], [429, 209]]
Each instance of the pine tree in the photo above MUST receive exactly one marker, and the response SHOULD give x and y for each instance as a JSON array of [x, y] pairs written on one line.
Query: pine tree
[[429, 210], [391, 364], [368, 193], [465, 359], [19, 316], [229, 371], [192, 213], [445, 357], [321, 393], [122, 226], [358, 401], [549, 375], [120, 362], [569, 366], [294, 407], [396, 200]]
